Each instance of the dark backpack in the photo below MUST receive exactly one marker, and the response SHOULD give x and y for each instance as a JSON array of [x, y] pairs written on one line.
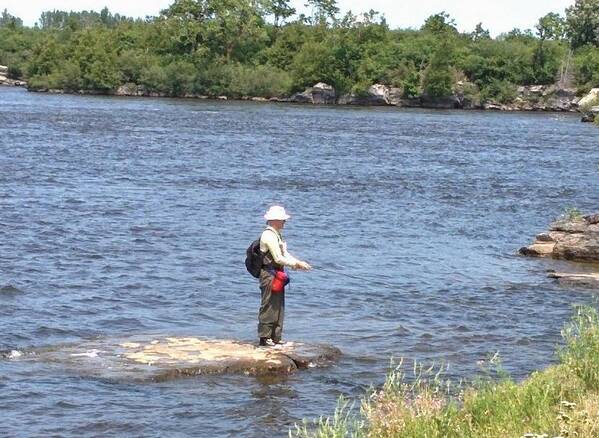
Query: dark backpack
[[254, 258]]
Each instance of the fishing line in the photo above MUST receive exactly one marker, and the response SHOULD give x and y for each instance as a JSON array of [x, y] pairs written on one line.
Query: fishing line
[[355, 277]]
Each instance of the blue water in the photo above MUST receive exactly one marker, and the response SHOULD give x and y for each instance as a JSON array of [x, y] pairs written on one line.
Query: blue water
[[131, 216]]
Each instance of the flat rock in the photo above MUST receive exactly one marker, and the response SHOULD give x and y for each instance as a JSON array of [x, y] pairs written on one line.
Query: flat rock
[[577, 279], [162, 358], [575, 239], [538, 249]]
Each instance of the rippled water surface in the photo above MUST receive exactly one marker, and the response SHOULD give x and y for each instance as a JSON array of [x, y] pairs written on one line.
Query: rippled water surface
[[123, 216]]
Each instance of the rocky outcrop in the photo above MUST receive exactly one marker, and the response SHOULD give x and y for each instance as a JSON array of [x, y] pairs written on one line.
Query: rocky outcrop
[[130, 90], [589, 106], [162, 358], [590, 98], [466, 96], [133, 90], [449, 102], [5, 80], [320, 93], [376, 94], [575, 239], [539, 98], [576, 279], [591, 114]]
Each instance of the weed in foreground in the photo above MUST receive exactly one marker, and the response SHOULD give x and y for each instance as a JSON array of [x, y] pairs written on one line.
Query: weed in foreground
[[562, 400]]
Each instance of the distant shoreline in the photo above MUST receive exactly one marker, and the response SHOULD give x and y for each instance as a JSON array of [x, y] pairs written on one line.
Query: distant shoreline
[[405, 103]]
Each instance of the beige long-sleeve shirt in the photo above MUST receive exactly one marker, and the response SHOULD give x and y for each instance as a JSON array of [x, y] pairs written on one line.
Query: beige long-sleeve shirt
[[271, 241]]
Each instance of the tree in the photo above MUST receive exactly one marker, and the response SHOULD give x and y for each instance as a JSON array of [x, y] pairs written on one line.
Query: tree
[[583, 23], [439, 23], [480, 33], [518, 34], [551, 27], [232, 29], [10, 21], [438, 76], [322, 10], [280, 10], [586, 66]]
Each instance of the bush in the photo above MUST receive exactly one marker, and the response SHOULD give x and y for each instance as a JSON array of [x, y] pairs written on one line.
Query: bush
[[500, 91], [69, 76], [153, 78], [586, 67], [261, 81], [15, 70], [179, 78], [213, 79]]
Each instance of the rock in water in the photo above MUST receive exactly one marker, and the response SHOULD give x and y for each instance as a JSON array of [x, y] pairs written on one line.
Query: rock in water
[[9, 291], [163, 358], [576, 240], [576, 279]]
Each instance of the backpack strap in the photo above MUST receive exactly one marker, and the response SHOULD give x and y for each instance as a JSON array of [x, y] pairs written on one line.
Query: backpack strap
[[268, 262]]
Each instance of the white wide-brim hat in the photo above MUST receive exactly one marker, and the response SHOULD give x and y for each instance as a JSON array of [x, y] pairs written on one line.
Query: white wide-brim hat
[[276, 213]]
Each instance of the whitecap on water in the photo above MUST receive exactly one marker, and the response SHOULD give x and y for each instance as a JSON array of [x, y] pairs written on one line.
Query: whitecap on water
[[90, 353]]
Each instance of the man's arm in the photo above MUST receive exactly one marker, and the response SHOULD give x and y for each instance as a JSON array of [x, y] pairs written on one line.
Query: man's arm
[[299, 264]]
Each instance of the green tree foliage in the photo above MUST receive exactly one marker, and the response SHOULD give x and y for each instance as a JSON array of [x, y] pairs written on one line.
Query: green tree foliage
[[586, 67], [551, 27], [10, 21], [438, 76], [260, 47], [480, 33], [440, 24], [583, 23], [16, 44], [322, 10], [279, 9], [78, 20], [233, 29]]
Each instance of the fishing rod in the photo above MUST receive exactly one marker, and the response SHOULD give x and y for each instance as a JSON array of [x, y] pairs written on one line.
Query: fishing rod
[[355, 277]]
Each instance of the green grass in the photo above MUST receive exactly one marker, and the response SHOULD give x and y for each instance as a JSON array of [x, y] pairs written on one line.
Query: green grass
[[572, 213], [562, 400]]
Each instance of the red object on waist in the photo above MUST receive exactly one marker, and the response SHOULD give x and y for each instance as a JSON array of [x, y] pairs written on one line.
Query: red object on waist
[[279, 281]]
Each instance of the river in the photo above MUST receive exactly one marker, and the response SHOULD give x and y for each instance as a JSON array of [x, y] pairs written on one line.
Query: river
[[132, 215]]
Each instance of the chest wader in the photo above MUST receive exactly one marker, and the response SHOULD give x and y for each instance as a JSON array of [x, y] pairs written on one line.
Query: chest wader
[[272, 305]]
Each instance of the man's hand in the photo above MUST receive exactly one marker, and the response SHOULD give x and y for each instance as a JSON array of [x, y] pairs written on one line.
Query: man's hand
[[303, 266]]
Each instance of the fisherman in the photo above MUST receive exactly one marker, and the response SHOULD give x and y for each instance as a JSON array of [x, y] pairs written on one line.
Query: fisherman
[[276, 258]]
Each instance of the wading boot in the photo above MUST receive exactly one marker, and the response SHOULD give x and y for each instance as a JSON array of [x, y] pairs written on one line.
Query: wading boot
[[266, 342]]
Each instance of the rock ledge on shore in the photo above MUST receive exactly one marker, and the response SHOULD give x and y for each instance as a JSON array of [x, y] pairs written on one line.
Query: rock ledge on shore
[[5, 80], [574, 239]]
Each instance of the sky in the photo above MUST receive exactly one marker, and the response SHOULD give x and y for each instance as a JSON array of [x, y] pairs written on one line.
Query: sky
[[496, 15]]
